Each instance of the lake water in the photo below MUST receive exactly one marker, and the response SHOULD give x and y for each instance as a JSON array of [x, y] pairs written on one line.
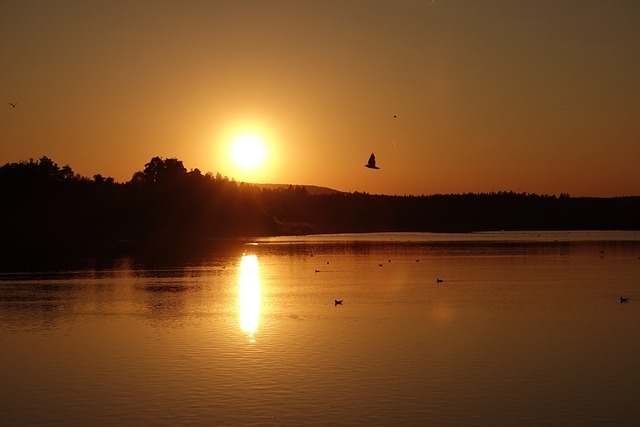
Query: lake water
[[486, 329]]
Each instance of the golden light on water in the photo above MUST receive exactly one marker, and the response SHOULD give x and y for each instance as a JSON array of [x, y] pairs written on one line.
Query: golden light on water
[[249, 295], [443, 313]]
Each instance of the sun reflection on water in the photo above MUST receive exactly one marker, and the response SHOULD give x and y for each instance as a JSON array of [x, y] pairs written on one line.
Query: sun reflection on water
[[249, 295]]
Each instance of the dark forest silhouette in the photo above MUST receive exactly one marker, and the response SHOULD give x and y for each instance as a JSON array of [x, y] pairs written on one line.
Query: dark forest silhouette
[[45, 203]]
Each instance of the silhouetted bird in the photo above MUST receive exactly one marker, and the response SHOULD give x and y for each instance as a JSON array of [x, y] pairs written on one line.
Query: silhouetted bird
[[317, 271], [372, 162], [439, 280], [624, 299], [13, 104], [338, 302], [379, 265]]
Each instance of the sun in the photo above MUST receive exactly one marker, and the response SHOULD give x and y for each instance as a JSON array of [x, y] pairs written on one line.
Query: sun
[[248, 152]]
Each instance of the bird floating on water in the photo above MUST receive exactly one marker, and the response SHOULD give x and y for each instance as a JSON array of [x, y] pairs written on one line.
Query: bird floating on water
[[372, 162], [337, 302], [624, 299]]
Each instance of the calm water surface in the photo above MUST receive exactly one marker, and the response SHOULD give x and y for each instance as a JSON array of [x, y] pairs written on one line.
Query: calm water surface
[[473, 329]]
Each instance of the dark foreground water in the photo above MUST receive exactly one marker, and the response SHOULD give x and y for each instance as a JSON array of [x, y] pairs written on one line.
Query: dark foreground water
[[482, 329]]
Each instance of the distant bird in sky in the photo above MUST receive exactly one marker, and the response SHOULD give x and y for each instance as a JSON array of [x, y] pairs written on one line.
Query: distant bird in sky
[[372, 162], [624, 299], [337, 302], [13, 104]]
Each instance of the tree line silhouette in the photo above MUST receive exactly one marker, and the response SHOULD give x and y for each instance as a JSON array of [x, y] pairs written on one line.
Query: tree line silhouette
[[47, 204]]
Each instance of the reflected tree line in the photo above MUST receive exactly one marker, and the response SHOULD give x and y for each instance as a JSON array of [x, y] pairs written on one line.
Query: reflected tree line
[[43, 202]]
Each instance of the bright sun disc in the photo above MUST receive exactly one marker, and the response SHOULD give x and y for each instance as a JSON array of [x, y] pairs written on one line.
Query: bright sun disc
[[248, 152]]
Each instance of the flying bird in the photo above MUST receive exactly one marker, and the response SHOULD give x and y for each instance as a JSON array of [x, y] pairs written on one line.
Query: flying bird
[[13, 104], [624, 299], [372, 162], [337, 302]]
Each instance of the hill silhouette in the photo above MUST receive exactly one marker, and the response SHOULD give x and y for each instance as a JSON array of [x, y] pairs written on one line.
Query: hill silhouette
[[313, 190], [44, 204]]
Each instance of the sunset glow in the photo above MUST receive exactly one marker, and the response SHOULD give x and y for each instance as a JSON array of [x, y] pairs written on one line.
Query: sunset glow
[[248, 152], [317, 213], [453, 97]]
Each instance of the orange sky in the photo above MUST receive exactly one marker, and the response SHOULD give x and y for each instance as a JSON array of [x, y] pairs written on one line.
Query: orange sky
[[496, 95]]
